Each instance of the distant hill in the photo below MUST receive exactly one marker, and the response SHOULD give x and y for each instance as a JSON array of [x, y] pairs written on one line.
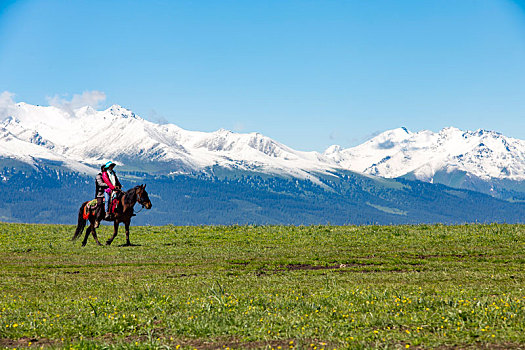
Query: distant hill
[[53, 196]]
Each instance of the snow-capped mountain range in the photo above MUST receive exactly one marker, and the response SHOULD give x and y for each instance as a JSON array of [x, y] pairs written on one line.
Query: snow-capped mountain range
[[84, 139], [88, 138], [395, 153]]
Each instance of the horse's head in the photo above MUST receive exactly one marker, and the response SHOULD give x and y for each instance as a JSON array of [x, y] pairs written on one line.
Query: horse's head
[[142, 197]]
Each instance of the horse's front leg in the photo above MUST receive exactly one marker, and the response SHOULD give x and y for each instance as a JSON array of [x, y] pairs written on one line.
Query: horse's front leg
[[94, 233], [115, 232], [126, 225]]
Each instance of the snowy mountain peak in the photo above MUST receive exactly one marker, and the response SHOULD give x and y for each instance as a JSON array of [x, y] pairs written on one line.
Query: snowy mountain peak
[[394, 135], [450, 129], [119, 111], [333, 149], [486, 133], [223, 131], [85, 111]]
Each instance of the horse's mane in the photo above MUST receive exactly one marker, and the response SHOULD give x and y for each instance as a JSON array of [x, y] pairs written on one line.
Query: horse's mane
[[131, 195]]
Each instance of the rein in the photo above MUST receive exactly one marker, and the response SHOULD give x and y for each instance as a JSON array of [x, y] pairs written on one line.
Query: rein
[[136, 212]]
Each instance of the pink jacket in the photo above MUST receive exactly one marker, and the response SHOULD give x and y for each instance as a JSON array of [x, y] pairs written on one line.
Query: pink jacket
[[105, 177]]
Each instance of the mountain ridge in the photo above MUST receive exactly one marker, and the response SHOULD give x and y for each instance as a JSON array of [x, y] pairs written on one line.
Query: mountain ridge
[[84, 138], [394, 153]]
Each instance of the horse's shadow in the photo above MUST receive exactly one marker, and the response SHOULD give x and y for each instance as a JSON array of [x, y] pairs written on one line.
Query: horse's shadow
[[129, 245]]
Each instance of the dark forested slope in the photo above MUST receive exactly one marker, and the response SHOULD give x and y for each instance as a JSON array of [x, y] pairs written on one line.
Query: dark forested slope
[[54, 196]]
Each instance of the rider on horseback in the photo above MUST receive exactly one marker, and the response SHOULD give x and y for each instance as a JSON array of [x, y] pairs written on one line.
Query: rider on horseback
[[113, 184], [124, 214], [99, 195]]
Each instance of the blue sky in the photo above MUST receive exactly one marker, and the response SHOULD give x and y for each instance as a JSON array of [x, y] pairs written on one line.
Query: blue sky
[[306, 73]]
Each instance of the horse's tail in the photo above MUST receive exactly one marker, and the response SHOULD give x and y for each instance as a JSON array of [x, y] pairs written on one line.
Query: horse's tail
[[81, 222]]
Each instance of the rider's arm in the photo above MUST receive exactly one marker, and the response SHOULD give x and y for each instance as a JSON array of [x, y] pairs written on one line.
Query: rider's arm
[[100, 182]]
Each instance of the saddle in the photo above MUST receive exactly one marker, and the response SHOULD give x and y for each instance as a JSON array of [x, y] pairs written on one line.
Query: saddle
[[91, 206]]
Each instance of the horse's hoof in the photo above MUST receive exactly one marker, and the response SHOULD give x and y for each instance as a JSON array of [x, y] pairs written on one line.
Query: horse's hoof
[[108, 243]]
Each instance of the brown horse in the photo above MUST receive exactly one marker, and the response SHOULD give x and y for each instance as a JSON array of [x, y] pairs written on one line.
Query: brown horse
[[123, 214]]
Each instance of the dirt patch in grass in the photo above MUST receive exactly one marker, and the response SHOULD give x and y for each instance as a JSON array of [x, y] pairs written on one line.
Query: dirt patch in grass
[[490, 346], [27, 342], [218, 343], [293, 267], [457, 256], [256, 344], [182, 275], [193, 343], [299, 267], [342, 268], [379, 271]]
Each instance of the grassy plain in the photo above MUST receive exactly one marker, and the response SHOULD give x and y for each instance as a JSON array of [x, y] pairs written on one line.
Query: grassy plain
[[316, 287]]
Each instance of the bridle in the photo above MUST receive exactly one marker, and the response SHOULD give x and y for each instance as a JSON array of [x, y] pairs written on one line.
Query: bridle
[[141, 202], [136, 212]]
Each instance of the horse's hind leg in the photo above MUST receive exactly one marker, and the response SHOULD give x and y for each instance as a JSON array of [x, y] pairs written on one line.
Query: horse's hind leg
[[126, 225], [84, 242]]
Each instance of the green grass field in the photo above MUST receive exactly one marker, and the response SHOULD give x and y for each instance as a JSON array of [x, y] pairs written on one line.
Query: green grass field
[[318, 287]]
